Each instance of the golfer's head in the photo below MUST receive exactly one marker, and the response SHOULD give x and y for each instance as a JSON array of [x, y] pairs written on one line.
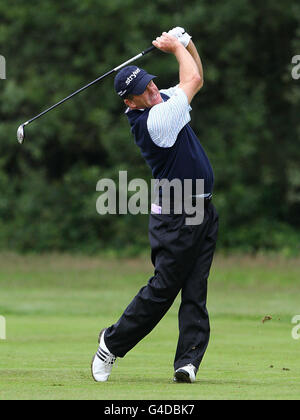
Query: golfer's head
[[137, 88]]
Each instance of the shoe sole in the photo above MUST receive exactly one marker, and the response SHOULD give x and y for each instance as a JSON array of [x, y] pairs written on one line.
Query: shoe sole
[[99, 338], [182, 376]]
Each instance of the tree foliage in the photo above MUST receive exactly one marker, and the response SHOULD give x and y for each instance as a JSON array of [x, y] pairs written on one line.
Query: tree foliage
[[246, 117]]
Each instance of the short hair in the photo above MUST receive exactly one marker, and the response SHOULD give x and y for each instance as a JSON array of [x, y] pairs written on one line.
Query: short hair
[[130, 97]]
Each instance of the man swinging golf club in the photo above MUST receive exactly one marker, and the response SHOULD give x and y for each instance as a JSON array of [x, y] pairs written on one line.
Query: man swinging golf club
[[182, 255]]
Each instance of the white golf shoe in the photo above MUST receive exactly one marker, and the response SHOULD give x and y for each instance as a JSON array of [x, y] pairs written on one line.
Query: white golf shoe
[[185, 374], [103, 361]]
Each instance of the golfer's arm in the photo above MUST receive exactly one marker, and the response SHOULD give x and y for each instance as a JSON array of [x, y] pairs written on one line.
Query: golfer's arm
[[190, 80], [194, 53]]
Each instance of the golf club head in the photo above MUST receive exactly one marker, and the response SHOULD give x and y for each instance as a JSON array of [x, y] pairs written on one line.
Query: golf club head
[[21, 134]]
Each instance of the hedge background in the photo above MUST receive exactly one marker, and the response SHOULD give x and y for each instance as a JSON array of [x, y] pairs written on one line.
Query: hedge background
[[246, 116]]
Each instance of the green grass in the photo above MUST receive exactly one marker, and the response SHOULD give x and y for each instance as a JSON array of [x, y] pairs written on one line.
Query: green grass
[[55, 306]]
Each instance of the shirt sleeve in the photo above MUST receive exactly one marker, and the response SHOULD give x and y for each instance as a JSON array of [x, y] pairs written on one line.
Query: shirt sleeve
[[167, 119], [169, 92]]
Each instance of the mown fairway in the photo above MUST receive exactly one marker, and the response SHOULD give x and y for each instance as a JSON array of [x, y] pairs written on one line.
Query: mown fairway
[[55, 306]]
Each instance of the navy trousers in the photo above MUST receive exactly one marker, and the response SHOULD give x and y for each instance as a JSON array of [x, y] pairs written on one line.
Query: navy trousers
[[182, 256]]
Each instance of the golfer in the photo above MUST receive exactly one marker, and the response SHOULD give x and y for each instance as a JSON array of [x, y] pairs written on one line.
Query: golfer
[[181, 254]]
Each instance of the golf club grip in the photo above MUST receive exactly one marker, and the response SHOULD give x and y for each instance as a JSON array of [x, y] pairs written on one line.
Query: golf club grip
[[149, 50]]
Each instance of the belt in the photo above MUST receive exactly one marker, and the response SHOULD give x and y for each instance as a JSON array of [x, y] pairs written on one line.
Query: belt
[[207, 200]]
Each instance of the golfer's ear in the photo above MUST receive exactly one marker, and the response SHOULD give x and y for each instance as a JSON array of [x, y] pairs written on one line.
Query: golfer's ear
[[129, 103]]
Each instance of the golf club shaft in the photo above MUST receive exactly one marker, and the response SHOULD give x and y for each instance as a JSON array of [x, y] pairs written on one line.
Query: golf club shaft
[[91, 84]]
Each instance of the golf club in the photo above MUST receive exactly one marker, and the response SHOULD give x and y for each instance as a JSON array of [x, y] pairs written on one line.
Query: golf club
[[21, 129]]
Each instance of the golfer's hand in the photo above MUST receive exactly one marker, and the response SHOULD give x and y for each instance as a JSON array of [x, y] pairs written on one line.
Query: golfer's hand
[[167, 43], [182, 36], [177, 32]]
